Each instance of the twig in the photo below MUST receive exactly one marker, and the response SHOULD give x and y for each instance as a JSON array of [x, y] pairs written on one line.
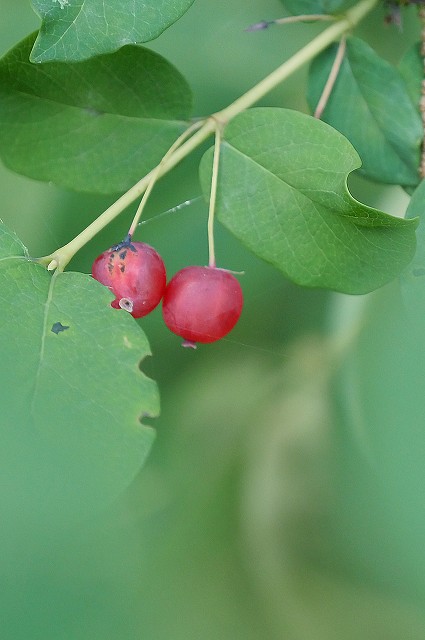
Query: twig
[[313, 17]]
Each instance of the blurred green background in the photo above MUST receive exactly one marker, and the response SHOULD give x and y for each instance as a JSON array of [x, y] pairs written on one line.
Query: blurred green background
[[284, 497]]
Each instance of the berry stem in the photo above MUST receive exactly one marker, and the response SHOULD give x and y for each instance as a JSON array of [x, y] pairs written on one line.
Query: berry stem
[[330, 82], [155, 174], [60, 258], [213, 194]]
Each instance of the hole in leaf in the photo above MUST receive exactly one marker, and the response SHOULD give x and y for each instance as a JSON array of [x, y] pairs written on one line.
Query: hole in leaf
[[58, 327]]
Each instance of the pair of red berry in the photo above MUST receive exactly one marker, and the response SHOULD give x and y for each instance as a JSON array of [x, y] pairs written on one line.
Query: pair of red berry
[[200, 304]]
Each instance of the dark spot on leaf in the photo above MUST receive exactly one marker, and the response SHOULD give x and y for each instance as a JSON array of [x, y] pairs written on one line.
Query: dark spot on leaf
[[418, 272], [57, 327]]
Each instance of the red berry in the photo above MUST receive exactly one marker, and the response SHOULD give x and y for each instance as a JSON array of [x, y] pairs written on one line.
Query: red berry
[[135, 274], [202, 304]]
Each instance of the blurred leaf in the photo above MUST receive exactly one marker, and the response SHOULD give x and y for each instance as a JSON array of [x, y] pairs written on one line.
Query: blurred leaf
[[72, 30], [283, 193], [413, 278], [381, 469], [370, 91], [379, 511], [299, 7], [71, 392], [98, 125], [412, 69]]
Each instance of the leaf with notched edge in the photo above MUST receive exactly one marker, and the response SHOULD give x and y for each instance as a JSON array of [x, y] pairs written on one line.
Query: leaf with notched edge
[[71, 439], [282, 190]]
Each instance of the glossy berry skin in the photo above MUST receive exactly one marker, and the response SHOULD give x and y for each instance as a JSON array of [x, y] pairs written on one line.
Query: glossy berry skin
[[135, 273], [202, 304]]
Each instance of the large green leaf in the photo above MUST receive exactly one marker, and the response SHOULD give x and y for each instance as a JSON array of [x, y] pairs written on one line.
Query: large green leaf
[[382, 393], [299, 7], [74, 30], [282, 191], [97, 125], [370, 105], [412, 69], [71, 392]]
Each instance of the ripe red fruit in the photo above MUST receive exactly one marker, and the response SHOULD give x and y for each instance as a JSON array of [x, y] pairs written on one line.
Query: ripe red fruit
[[135, 274], [202, 304]]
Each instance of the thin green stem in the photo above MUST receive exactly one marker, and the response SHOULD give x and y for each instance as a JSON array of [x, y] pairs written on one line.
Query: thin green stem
[[333, 33], [157, 171], [60, 258], [330, 82], [213, 195]]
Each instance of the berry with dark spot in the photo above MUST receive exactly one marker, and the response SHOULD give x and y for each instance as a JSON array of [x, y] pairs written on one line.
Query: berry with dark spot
[[135, 273]]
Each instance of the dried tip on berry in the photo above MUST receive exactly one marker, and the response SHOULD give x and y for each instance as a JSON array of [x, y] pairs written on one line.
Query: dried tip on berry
[[126, 243], [188, 344], [126, 304], [135, 273]]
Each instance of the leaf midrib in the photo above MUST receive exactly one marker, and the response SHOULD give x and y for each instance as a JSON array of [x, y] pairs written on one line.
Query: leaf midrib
[[43, 340], [87, 109]]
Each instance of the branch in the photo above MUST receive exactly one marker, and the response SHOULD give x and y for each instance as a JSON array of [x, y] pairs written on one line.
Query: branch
[[60, 258]]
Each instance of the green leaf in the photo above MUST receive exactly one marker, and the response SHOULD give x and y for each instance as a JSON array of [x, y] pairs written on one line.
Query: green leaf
[[371, 106], [299, 7], [413, 280], [74, 30], [412, 70], [71, 392], [98, 125], [282, 191]]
